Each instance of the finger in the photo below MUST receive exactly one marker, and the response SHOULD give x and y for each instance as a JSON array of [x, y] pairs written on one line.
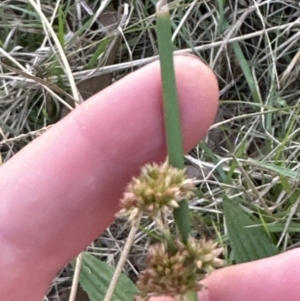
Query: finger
[[271, 279], [63, 189]]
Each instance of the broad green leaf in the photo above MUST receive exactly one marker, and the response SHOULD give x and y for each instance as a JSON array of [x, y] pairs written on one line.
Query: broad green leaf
[[248, 243], [95, 277]]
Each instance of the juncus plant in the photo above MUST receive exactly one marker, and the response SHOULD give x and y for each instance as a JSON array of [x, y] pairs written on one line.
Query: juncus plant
[[179, 261]]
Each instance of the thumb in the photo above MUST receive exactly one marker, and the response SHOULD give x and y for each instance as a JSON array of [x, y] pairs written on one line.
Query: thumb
[[271, 279]]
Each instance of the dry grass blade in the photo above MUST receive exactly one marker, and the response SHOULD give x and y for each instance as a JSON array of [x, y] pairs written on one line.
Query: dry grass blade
[[76, 278], [61, 52], [123, 258]]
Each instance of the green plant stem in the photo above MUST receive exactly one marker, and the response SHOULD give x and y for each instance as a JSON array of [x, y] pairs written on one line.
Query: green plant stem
[[171, 108], [182, 220]]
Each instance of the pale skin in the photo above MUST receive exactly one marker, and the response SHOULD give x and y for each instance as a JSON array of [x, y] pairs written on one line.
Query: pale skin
[[62, 190]]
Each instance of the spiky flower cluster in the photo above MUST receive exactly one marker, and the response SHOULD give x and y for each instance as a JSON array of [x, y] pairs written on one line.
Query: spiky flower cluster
[[174, 273], [174, 268], [205, 253], [159, 188]]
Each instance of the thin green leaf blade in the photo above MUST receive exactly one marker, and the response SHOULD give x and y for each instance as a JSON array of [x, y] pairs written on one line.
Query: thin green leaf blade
[[95, 277], [61, 27], [248, 243], [281, 170], [244, 64], [99, 51]]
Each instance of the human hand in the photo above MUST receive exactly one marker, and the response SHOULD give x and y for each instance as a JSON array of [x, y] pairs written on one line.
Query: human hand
[[62, 190]]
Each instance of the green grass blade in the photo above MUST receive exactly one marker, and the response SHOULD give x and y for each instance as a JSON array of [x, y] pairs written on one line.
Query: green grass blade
[[213, 158], [61, 27], [282, 171], [100, 50], [248, 243], [247, 72], [244, 64]]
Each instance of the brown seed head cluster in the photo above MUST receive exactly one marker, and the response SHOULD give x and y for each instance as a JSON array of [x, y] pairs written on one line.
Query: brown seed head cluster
[[176, 273], [159, 188]]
